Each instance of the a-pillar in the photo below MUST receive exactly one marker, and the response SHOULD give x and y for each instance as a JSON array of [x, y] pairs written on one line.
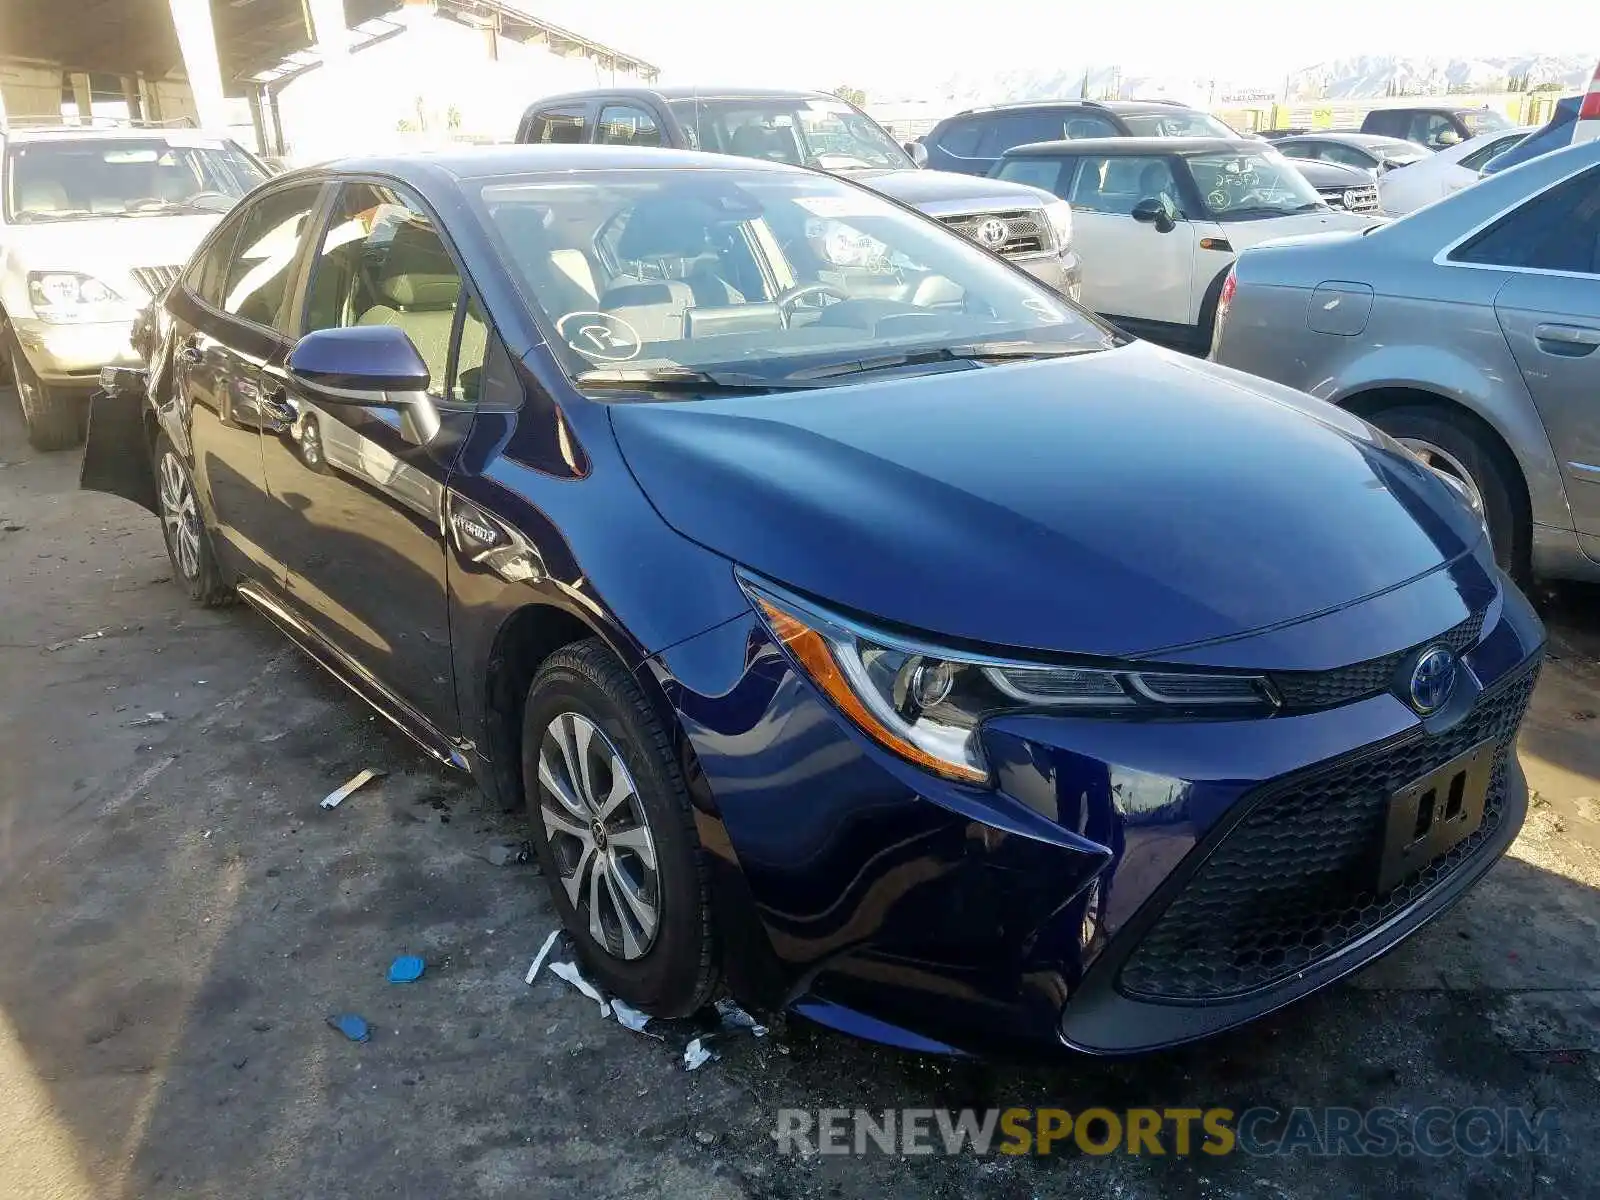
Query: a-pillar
[[82, 96], [197, 39]]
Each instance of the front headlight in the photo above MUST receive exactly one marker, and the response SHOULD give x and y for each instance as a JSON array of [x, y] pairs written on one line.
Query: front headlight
[[928, 704], [1059, 214], [67, 296]]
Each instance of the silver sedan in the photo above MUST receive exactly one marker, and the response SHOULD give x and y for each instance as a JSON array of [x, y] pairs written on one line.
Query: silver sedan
[[1469, 331]]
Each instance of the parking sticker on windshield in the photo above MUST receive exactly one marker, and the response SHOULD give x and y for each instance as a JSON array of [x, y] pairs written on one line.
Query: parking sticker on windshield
[[600, 336]]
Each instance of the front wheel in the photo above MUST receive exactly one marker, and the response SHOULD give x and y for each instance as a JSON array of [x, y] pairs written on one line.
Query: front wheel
[[194, 565], [55, 419], [614, 830], [1453, 447]]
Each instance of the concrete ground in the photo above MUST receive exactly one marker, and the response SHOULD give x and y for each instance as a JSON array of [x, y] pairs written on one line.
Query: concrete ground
[[178, 918]]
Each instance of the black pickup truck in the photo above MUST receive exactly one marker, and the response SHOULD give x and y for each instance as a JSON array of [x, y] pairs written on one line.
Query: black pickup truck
[[1434, 126]]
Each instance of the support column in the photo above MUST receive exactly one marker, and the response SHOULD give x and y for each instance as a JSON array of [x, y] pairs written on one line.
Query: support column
[[197, 39], [82, 96], [130, 97]]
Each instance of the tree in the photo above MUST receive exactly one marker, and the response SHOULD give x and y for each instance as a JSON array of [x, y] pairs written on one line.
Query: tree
[[850, 95]]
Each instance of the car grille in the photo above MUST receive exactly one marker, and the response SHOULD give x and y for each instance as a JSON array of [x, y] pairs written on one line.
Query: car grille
[[156, 280], [1027, 230], [1325, 689], [1352, 199], [1293, 882]]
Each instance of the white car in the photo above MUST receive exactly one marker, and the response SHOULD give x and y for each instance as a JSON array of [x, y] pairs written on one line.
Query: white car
[[93, 222], [1158, 221], [1449, 170]]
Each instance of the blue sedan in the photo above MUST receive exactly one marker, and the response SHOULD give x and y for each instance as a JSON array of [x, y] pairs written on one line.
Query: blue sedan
[[867, 630]]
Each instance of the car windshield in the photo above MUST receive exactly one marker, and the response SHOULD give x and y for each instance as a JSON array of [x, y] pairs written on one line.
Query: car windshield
[[1178, 123], [78, 178], [814, 133], [755, 277], [1485, 120], [1236, 186]]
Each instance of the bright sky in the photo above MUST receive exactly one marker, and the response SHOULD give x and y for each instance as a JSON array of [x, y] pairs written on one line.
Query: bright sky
[[886, 46]]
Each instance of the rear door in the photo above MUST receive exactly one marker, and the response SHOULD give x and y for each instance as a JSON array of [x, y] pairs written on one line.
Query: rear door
[[1549, 309], [228, 323], [560, 125], [1131, 269], [366, 557]]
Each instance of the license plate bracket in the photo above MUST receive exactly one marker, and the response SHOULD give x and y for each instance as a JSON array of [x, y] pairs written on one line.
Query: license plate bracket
[[1433, 814]]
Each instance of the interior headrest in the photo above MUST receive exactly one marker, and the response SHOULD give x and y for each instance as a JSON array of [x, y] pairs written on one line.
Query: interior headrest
[[418, 273], [663, 228]]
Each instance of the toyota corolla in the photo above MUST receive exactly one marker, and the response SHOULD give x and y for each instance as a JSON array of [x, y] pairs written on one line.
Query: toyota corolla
[[867, 630]]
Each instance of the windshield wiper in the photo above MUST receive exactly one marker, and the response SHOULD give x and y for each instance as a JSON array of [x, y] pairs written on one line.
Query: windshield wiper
[[976, 352], [679, 379]]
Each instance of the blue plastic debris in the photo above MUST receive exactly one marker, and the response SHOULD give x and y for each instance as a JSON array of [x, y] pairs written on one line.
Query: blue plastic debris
[[405, 969], [352, 1026]]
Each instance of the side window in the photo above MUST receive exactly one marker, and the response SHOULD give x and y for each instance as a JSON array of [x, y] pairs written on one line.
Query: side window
[[1040, 172], [1426, 128], [1478, 158], [1116, 183], [207, 273], [382, 262], [561, 126], [260, 271], [625, 125], [1301, 149], [470, 354], [1090, 127], [1020, 129], [1389, 124], [960, 138], [1347, 156], [1558, 230]]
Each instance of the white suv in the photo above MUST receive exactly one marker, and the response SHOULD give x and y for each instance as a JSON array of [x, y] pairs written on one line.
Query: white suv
[[93, 222], [1158, 221]]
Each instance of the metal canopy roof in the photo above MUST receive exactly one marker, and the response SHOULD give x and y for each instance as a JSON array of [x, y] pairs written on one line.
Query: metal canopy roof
[[258, 41]]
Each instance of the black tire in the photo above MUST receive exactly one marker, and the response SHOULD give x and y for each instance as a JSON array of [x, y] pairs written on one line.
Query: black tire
[[194, 563], [1484, 463], [678, 972], [55, 419]]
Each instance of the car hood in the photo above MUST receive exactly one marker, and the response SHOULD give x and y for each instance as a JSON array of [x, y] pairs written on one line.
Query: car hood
[[1297, 225], [108, 249], [1117, 504], [943, 193]]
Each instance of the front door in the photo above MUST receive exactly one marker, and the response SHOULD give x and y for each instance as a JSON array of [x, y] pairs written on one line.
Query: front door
[[366, 564], [228, 319], [1131, 268]]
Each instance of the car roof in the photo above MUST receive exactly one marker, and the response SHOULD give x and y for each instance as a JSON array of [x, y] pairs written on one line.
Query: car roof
[[682, 92], [488, 162], [1111, 106], [1349, 138], [1140, 145], [66, 133]]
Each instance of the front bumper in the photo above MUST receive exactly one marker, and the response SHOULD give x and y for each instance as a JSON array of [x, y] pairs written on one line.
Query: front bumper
[[879, 900], [1061, 271], [71, 355]]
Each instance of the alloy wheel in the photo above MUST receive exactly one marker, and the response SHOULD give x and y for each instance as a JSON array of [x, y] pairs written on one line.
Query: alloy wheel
[[311, 444], [1445, 463], [180, 515], [599, 834]]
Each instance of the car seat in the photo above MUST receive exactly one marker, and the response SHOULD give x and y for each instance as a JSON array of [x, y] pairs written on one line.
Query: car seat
[[418, 288]]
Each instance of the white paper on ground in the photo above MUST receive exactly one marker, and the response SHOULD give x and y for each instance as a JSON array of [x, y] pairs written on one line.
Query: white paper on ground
[[695, 1055], [570, 973], [336, 798], [544, 952], [627, 1015]]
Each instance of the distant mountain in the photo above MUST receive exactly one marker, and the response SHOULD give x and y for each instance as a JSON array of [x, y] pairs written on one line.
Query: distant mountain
[[1381, 75], [1367, 77]]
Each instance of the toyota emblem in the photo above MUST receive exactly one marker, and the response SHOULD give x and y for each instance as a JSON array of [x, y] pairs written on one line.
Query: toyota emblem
[[1432, 680], [991, 234]]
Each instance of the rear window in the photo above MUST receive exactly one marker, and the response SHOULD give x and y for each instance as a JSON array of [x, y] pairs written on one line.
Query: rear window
[[1177, 123], [1484, 120]]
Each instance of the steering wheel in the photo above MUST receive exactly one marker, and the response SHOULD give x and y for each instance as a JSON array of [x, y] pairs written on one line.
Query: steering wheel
[[800, 291]]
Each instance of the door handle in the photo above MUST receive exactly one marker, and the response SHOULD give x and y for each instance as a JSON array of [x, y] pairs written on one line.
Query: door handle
[[1570, 340]]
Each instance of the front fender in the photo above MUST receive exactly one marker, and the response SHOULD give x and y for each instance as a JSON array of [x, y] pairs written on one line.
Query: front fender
[[1486, 384]]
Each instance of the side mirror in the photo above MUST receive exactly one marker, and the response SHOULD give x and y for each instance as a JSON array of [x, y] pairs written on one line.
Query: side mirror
[[1152, 211], [374, 366], [918, 153]]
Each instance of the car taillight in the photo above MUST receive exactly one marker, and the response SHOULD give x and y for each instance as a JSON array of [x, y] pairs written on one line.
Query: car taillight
[[1587, 128], [1229, 286]]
